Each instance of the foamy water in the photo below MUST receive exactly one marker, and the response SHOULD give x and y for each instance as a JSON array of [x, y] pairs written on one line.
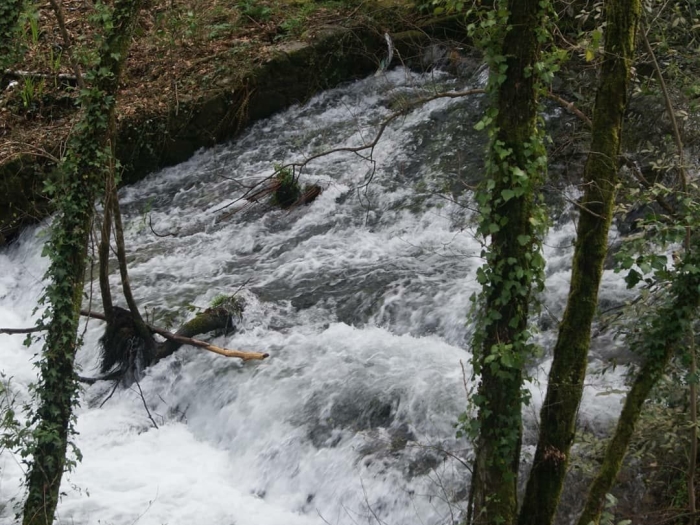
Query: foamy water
[[361, 299]]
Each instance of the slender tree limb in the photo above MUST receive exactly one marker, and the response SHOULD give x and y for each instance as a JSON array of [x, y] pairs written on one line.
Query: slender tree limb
[[150, 225], [662, 336], [114, 389], [68, 46], [669, 107], [353, 149], [112, 376], [145, 405], [103, 251], [15, 331], [121, 255], [569, 106], [637, 173]]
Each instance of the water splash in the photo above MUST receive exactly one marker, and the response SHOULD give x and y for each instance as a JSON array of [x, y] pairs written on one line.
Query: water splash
[[361, 299]]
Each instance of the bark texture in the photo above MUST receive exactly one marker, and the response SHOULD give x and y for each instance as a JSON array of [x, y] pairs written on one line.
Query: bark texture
[[497, 458], [661, 338], [566, 377], [70, 235]]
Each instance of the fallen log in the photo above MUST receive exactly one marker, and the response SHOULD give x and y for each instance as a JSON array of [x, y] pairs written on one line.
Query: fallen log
[[183, 340]]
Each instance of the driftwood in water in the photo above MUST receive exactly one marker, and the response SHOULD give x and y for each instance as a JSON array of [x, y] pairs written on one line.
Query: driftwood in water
[[285, 195], [125, 354], [281, 192]]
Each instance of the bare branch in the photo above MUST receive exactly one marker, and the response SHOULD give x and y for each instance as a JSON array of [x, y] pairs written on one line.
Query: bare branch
[[570, 107], [145, 405], [253, 191], [15, 331]]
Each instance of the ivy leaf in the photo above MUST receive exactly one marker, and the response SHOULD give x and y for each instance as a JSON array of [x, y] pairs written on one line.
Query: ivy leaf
[[523, 239], [507, 195], [506, 360], [632, 278]]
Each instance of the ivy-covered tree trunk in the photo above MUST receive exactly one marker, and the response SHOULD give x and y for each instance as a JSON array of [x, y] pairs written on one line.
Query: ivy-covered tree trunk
[[565, 387], [10, 11], [80, 180], [516, 167], [659, 341]]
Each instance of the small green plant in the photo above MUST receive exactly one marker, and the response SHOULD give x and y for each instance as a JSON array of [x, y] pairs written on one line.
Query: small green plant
[[219, 300], [608, 516], [221, 30], [33, 31], [55, 61], [255, 10], [292, 27], [232, 304], [287, 190], [31, 91]]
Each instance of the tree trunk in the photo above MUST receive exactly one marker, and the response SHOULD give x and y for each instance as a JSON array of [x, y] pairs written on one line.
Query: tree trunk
[[660, 340], [507, 277], [82, 179], [103, 251], [10, 12], [565, 387]]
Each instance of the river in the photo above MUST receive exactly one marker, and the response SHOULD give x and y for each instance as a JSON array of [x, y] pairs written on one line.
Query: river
[[361, 299]]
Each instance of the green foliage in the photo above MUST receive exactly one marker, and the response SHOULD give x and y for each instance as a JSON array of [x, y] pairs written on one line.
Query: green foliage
[[607, 517], [293, 26], [10, 11], [512, 178], [287, 190], [233, 305], [13, 434], [31, 91], [33, 20], [643, 256], [255, 10], [82, 175]]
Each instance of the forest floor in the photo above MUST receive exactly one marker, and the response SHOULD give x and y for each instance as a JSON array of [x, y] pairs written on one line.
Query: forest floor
[[182, 50]]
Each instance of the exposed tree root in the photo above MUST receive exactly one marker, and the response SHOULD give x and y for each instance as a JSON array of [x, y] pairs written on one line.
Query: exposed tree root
[[123, 354]]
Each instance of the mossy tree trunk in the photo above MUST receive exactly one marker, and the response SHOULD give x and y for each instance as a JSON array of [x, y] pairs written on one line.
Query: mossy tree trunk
[[10, 11], [212, 319], [660, 339], [565, 387], [81, 179], [516, 169]]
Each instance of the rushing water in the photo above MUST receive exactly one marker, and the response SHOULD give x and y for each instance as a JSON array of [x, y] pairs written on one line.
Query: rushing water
[[361, 299]]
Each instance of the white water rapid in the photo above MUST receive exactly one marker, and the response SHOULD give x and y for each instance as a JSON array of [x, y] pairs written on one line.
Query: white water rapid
[[361, 298]]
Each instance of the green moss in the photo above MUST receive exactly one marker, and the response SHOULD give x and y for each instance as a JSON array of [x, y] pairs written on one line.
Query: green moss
[[287, 190], [230, 303]]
